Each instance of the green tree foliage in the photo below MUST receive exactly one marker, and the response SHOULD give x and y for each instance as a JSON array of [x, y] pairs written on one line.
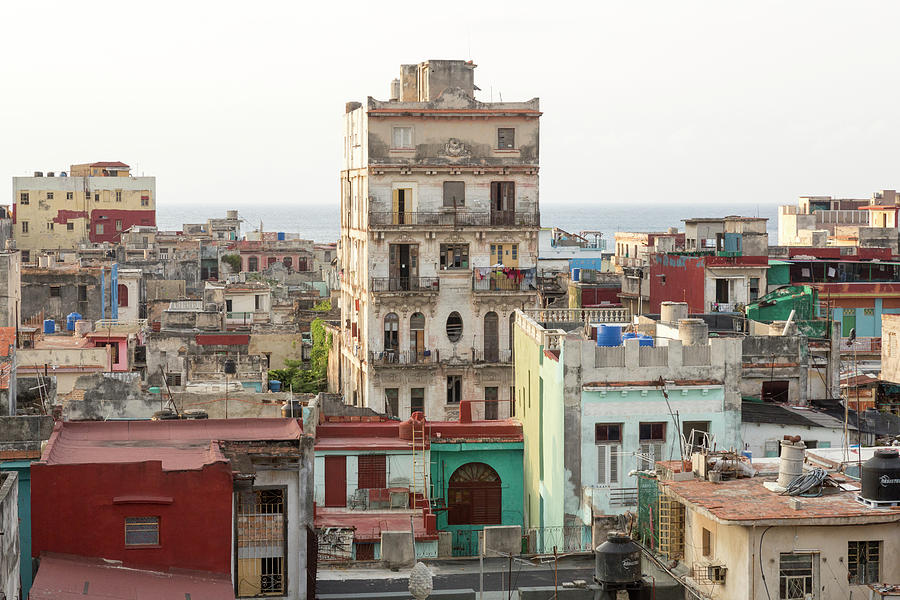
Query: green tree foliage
[[323, 306], [314, 379], [233, 261]]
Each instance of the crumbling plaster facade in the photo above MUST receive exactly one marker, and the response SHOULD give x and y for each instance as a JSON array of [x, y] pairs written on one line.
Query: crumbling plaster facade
[[406, 151]]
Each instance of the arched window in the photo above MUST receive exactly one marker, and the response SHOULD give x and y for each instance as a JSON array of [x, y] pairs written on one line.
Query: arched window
[[475, 496], [417, 337], [491, 337], [123, 294], [454, 326], [391, 332], [253, 264], [288, 262]]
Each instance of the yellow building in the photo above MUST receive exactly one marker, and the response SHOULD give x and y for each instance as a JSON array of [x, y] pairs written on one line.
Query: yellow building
[[93, 203]]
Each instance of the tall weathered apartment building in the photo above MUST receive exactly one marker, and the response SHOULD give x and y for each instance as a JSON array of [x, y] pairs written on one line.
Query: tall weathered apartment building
[[439, 239]]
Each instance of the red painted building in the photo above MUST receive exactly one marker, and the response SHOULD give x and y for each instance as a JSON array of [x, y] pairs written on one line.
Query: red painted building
[[161, 495], [107, 225]]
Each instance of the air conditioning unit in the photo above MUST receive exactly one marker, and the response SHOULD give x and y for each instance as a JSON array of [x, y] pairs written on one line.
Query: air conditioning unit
[[716, 573]]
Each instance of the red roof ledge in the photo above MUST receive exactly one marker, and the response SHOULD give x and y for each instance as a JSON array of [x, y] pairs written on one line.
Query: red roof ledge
[[62, 576]]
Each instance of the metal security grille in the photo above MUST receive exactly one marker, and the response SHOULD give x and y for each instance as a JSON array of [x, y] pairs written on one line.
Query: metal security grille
[[141, 531], [372, 471], [261, 540], [796, 577], [863, 560]]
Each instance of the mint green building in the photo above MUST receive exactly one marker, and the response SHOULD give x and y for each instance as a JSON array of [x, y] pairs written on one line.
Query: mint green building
[[467, 473], [592, 416]]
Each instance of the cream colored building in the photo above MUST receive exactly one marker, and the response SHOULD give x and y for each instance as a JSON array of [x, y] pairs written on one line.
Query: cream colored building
[[439, 239], [93, 203], [737, 540]]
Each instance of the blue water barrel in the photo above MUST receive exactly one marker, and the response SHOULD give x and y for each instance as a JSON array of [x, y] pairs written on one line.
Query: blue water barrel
[[576, 274], [49, 326], [629, 335], [609, 335], [645, 340], [70, 320], [280, 236], [275, 385]]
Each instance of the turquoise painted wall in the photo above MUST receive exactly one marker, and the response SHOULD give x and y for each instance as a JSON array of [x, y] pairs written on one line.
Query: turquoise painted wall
[[868, 319], [23, 468], [505, 458], [630, 407]]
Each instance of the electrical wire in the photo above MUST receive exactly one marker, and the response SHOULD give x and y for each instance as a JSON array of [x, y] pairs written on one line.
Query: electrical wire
[[762, 571], [803, 483]]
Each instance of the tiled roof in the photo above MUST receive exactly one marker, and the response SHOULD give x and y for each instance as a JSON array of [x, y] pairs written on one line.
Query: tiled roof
[[747, 501], [116, 164]]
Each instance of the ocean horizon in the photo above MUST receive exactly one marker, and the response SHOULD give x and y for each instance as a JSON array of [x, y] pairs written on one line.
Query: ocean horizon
[[322, 223]]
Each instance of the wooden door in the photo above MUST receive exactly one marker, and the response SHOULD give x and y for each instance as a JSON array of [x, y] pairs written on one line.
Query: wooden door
[[335, 481], [491, 337]]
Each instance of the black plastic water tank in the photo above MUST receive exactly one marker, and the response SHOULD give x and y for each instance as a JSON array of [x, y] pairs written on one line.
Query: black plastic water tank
[[618, 561], [881, 476]]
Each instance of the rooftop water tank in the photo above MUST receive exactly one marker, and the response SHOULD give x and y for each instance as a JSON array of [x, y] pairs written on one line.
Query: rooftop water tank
[[617, 562], [49, 326], [881, 476], [642, 338], [790, 465], [71, 318], [609, 335], [274, 385]]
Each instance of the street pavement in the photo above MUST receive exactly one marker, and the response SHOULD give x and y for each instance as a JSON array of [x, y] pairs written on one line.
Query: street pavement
[[453, 574]]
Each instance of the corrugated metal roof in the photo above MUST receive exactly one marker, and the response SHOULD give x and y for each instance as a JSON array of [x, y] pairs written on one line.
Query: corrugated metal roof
[[68, 578], [179, 444]]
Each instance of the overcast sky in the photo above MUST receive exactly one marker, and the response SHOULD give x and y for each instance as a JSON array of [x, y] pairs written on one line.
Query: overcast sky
[[667, 101]]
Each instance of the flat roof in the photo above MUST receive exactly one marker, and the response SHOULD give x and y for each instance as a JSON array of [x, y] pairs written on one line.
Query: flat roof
[[385, 435], [748, 502], [67, 578], [179, 444], [369, 524]]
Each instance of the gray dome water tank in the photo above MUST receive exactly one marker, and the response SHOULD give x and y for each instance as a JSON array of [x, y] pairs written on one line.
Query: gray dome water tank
[[880, 479], [617, 561]]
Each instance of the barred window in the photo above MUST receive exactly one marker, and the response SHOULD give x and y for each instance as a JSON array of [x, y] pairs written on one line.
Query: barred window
[[863, 562], [141, 531]]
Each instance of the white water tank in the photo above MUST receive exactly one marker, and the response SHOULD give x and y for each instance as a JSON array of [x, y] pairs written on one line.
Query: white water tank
[[790, 465]]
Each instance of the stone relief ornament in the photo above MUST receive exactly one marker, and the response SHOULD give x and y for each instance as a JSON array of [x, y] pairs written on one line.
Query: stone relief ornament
[[455, 148]]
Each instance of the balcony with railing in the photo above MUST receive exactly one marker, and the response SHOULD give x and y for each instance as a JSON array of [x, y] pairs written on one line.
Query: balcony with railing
[[404, 358], [503, 279], [492, 356], [454, 218], [248, 318], [406, 284]]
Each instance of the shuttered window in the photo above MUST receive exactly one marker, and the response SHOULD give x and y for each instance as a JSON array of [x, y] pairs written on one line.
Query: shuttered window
[[372, 471], [475, 496]]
